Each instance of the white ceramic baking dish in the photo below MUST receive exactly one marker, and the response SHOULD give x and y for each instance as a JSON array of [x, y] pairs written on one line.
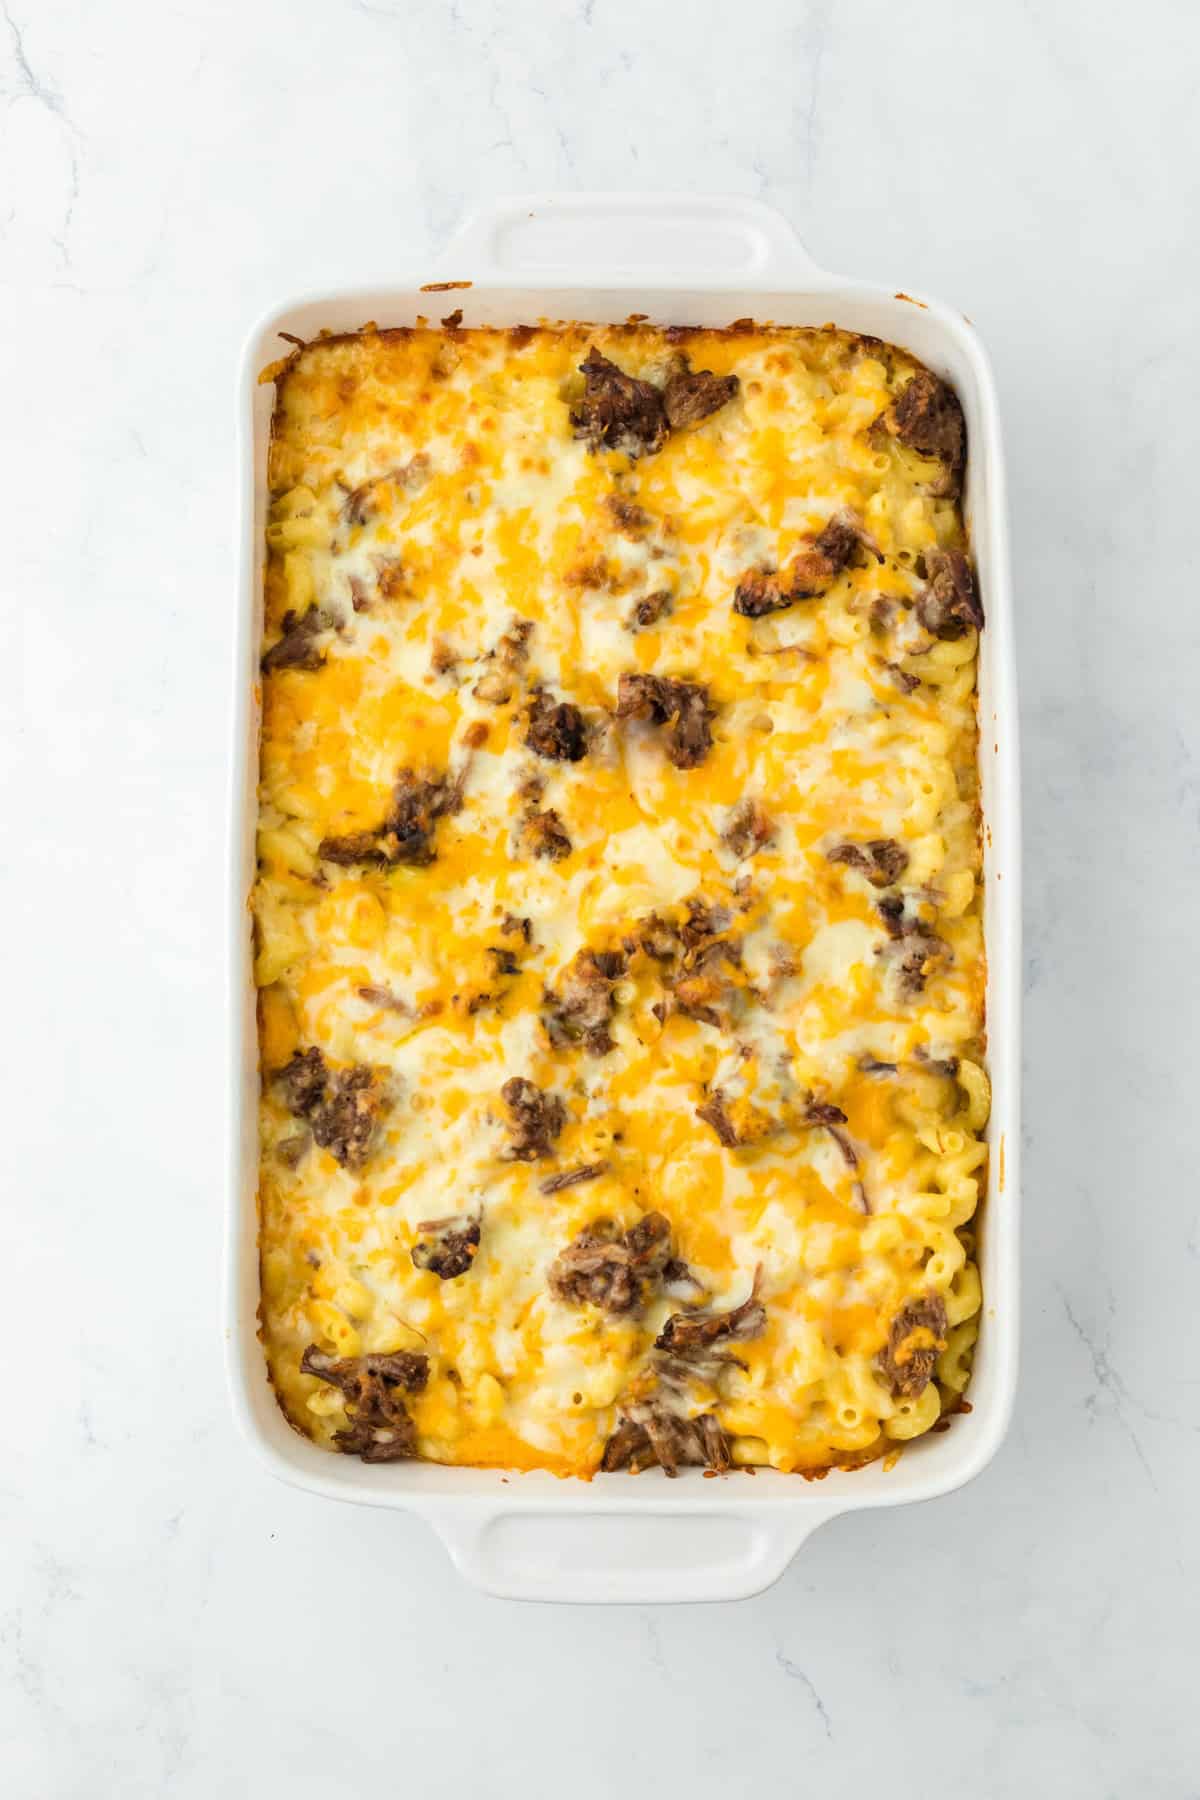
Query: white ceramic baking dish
[[678, 260]]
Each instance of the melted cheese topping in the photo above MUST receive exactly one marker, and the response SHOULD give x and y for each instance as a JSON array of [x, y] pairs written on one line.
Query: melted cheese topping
[[484, 508]]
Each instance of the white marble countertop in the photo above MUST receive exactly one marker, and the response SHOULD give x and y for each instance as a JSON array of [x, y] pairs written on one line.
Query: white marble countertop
[[170, 171]]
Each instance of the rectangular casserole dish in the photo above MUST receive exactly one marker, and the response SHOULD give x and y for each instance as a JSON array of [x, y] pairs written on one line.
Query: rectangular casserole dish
[[600, 258]]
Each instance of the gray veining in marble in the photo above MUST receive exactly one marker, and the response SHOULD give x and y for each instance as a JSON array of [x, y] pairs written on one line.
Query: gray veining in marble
[[171, 1621]]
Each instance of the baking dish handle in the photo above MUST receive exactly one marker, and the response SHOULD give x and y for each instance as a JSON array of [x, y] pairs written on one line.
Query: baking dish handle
[[602, 238], [626, 1555]]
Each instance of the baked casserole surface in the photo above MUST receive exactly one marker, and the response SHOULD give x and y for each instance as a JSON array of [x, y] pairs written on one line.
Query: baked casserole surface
[[618, 935]]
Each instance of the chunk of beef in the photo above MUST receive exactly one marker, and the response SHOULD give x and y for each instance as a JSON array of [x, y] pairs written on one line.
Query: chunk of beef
[[304, 1080], [609, 1268], [545, 835], [705, 987], [650, 1434], [810, 573], [915, 948], [747, 829], [353, 847], [684, 1333], [392, 581], [383, 997], [917, 1335], [380, 1428], [447, 1247], [715, 1112], [926, 416], [936, 1065], [297, 648], [823, 1112], [406, 834], [617, 411], [682, 706], [650, 609], [627, 515], [806, 576], [583, 1007], [825, 1116], [362, 502], [699, 961], [556, 730], [342, 1107], [536, 1118], [694, 394], [949, 604], [908, 684], [290, 1150], [882, 860], [705, 921], [513, 648], [554, 1184], [760, 591]]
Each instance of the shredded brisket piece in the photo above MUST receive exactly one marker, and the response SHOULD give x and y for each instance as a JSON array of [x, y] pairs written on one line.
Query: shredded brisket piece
[[809, 574], [380, 1428], [406, 835], [618, 412], [823, 1112], [650, 609], [917, 1335], [627, 1448], [926, 416], [581, 1010], [824, 1116], [304, 1079], [649, 1434], [934, 1065], [513, 648], [610, 1268], [556, 729], [627, 515], [392, 581], [684, 1333], [554, 1184], [882, 860], [447, 1247], [694, 394], [682, 706], [359, 504], [290, 1150], [297, 648], [546, 835], [759, 592], [715, 1112], [915, 947], [908, 684], [383, 997], [747, 829], [537, 1118], [342, 1107], [698, 961], [949, 605]]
